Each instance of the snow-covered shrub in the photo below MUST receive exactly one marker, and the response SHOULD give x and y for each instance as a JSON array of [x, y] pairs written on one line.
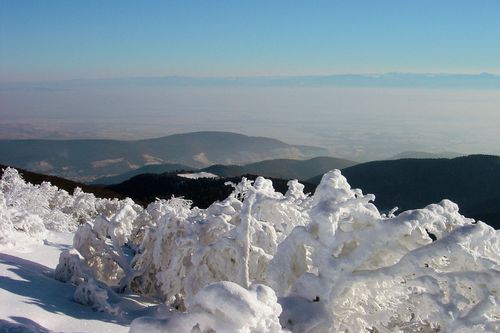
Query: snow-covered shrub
[[335, 262], [221, 307], [18, 225], [91, 294], [33, 209], [376, 274], [71, 267], [6, 226], [105, 244], [164, 254], [232, 240], [24, 209]]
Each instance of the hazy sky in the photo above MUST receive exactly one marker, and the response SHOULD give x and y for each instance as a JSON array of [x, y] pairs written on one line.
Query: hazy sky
[[51, 42], [75, 39]]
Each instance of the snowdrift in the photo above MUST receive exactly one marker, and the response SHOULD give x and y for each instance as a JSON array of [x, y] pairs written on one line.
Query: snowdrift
[[262, 261]]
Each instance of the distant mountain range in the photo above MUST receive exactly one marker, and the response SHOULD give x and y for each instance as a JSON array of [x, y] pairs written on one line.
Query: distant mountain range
[[86, 160], [473, 182], [278, 168], [151, 169], [202, 192], [423, 154], [384, 80], [284, 168]]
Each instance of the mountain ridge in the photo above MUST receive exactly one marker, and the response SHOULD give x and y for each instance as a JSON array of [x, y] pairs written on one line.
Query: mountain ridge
[[387, 79], [275, 168], [473, 182], [85, 160], [415, 154]]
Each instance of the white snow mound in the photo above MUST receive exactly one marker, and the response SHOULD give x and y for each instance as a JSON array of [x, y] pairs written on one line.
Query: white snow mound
[[222, 307], [197, 175]]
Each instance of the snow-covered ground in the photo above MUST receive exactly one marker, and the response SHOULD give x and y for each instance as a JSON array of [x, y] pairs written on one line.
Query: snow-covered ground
[[32, 299], [37, 223], [258, 261], [197, 175]]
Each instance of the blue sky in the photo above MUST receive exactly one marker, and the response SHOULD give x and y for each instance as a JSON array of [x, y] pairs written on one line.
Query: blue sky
[[90, 39]]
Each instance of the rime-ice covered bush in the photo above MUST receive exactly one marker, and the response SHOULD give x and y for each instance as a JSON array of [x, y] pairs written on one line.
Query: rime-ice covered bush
[[102, 261], [336, 262], [232, 240], [222, 307], [106, 244], [333, 260], [378, 274], [72, 268], [30, 210], [18, 225], [91, 294]]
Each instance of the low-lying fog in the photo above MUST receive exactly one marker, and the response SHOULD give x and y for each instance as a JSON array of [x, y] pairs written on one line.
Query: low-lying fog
[[358, 123]]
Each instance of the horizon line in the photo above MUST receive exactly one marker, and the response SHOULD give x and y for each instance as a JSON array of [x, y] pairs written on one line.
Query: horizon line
[[263, 76]]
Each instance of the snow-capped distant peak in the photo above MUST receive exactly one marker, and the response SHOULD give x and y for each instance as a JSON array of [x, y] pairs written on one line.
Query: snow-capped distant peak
[[197, 175]]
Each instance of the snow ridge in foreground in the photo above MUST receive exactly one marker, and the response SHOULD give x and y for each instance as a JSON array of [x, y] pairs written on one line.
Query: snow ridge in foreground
[[261, 261]]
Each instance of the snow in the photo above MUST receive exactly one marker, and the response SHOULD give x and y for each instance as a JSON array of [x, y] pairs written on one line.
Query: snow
[[197, 175], [31, 244], [258, 261], [31, 297], [222, 307]]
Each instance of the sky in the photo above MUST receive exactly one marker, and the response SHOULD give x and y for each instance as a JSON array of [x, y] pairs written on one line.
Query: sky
[[88, 39], [54, 55]]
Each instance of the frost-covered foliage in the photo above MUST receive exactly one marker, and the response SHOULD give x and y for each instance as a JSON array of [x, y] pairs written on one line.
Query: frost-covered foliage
[[91, 294], [72, 268], [336, 263], [27, 211], [221, 307], [375, 273], [171, 250], [327, 262]]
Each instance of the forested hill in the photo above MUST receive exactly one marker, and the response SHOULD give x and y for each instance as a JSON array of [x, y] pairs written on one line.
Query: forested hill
[[203, 191], [473, 182], [86, 160]]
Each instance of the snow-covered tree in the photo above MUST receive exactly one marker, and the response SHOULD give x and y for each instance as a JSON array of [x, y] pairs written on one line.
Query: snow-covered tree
[[330, 262]]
